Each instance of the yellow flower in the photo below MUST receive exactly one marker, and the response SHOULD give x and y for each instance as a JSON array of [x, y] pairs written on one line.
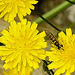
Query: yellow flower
[[23, 46], [63, 58], [28, 71], [9, 8]]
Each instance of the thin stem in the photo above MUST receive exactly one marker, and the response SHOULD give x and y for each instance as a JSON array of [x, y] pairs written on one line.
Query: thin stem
[[71, 1], [53, 12], [47, 21]]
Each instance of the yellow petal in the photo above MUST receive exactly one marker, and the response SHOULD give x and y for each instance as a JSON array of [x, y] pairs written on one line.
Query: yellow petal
[[68, 32]]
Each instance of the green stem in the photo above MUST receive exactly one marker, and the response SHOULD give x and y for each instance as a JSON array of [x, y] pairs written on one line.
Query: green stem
[[47, 21], [73, 2], [53, 12]]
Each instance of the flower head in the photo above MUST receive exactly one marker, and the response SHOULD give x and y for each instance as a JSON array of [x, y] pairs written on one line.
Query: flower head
[[63, 58], [10, 8], [14, 72], [23, 46]]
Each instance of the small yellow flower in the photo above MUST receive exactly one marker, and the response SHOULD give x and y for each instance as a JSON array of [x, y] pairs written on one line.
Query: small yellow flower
[[10, 8], [63, 58], [23, 46], [28, 71]]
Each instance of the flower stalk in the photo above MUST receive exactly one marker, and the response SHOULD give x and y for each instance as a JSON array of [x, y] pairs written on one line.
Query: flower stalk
[[47, 21], [53, 12]]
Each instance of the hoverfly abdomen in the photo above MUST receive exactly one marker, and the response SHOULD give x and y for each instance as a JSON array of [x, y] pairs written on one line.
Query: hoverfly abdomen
[[53, 39]]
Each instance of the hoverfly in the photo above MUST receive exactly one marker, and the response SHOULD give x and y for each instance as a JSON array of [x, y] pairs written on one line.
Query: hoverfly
[[53, 39]]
